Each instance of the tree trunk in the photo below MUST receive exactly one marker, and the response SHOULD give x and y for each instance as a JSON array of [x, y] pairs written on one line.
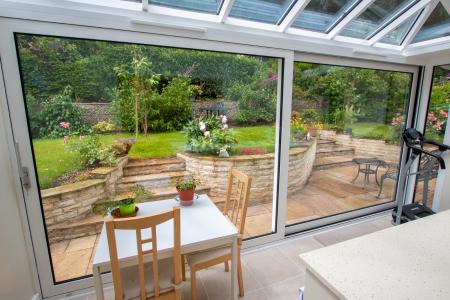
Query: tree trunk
[[136, 116], [145, 123]]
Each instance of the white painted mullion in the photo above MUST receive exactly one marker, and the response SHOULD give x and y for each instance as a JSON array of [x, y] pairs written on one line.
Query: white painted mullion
[[145, 5], [298, 7], [361, 7], [398, 21], [225, 10], [418, 25]]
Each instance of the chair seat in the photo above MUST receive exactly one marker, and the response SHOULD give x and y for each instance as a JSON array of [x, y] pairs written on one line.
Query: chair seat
[[203, 256], [130, 279]]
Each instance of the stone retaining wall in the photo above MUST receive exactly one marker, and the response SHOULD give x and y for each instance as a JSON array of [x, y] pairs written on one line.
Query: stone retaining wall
[[214, 171], [365, 147], [71, 203], [231, 107]]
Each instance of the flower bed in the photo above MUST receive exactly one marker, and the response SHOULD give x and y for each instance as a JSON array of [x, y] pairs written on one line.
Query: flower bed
[[214, 171]]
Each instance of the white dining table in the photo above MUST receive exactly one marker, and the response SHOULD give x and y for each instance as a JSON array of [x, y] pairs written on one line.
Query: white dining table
[[203, 226]]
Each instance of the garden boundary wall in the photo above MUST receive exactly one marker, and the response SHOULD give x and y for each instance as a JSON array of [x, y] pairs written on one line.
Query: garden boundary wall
[[365, 147], [92, 113]]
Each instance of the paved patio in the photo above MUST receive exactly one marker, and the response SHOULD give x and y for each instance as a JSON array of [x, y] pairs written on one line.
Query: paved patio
[[328, 192]]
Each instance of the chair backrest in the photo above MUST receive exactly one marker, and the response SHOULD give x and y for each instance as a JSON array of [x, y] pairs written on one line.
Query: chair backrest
[[237, 197], [138, 224]]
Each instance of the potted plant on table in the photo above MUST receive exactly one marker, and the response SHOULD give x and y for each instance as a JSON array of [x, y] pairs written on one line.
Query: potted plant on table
[[186, 188], [126, 207]]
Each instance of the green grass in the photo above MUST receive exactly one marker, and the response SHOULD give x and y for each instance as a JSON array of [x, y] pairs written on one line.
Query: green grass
[[375, 131], [53, 161]]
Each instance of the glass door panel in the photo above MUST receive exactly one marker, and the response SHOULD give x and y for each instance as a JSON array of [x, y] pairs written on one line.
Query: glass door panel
[[345, 139], [107, 118]]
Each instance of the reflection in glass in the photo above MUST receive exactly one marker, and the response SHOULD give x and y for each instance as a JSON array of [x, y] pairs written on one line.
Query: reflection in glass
[[267, 11], [378, 14], [209, 6], [397, 35], [323, 15], [437, 25]]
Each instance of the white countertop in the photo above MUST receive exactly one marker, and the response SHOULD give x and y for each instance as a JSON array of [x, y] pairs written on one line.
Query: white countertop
[[410, 261]]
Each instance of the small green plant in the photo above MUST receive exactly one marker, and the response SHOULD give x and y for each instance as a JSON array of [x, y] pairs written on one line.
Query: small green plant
[[138, 195], [187, 183], [102, 127]]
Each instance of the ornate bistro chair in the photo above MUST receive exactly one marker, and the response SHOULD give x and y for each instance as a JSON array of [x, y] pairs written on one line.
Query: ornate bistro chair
[[235, 208], [428, 167], [164, 275]]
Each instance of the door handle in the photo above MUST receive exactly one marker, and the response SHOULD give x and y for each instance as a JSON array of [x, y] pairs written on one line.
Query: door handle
[[23, 171]]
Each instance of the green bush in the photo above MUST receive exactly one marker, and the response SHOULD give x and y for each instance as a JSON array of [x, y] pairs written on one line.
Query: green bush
[[91, 152], [102, 127], [46, 117]]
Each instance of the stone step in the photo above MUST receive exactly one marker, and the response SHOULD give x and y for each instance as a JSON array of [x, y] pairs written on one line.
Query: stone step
[[153, 166], [332, 162], [89, 225], [149, 181], [325, 142], [161, 193], [336, 150]]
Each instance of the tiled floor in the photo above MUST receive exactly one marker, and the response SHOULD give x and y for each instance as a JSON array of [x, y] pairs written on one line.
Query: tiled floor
[[272, 272]]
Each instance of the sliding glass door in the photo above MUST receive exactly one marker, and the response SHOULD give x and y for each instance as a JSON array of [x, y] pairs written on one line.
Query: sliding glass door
[[96, 118], [345, 146]]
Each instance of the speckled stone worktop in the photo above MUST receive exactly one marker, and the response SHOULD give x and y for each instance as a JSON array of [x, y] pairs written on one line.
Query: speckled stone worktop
[[410, 261]]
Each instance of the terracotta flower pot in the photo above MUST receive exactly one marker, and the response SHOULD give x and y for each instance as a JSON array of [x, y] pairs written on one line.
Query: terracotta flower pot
[[186, 197]]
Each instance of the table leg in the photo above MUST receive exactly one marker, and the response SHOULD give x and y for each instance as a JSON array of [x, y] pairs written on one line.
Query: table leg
[[359, 168], [233, 273], [98, 284]]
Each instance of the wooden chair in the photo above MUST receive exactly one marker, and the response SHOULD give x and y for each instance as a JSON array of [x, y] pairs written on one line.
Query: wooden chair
[[165, 275], [235, 209]]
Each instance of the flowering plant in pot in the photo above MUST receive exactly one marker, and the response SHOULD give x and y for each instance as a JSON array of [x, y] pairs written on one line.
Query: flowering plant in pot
[[186, 187]]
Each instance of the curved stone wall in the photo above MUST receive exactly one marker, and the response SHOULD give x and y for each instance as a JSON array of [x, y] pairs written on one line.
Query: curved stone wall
[[214, 171]]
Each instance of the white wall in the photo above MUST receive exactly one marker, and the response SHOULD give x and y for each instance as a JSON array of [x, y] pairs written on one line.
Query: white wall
[[16, 280]]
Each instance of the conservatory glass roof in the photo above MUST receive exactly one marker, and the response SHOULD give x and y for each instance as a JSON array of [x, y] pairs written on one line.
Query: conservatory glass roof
[[388, 24]]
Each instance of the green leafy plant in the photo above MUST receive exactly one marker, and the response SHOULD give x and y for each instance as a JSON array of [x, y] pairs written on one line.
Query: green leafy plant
[[138, 195], [102, 127], [91, 152], [187, 183]]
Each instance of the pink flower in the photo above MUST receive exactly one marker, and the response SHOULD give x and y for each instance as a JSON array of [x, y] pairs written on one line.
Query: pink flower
[[224, 120], [66, 139], [65, 125], [81, 137], [431, 117], [207, 134], [225, 126], [443, 113]]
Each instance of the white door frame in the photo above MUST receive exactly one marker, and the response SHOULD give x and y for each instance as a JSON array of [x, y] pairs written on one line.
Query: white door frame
[[350, 62], [16, 105]]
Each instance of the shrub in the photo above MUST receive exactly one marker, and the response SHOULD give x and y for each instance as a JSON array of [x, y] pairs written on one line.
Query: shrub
[[209, 135], [102, 127], [57, 109], [91, 152]]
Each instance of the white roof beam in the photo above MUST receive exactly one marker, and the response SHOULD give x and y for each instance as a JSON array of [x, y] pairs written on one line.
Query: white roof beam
[[446, 4], [418, 25], [348, 18], [398, 21], [145, 5], [225, 10], [292, 15]]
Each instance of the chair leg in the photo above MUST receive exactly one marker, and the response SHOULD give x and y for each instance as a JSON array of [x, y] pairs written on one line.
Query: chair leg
[[193, 284], [381, 187], [183, 268], [240, 279], [227, 267]]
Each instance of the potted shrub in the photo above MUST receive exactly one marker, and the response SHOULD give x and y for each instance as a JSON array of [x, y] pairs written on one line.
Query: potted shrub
[[186, 187], [126, 207]]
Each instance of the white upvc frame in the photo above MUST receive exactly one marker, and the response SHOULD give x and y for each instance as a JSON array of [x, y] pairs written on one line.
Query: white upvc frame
[[398, 21], [418, 25], [361, 7], [225, 10], [17, 109], [321, 59], [295, 11]]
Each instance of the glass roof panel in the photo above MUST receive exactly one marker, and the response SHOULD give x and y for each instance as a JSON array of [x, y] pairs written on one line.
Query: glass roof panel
[[208, 6], [267, 11], [323, 15], [437, 25], [397, 36], [375, 17]]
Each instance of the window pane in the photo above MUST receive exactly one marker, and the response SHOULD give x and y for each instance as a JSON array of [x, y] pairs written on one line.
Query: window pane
[[436, 26], [397, 35], [323, 15], [267, 11], [345, 137], [377, 14], [436, 124], [182, 112], [209, 6]]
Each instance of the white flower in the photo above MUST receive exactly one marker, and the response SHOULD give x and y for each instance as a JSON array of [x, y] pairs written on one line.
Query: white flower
[[224, 120], [207, 134], [202, 126], [225, 126]]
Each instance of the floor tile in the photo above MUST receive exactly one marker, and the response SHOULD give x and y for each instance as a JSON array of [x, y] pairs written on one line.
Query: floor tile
[[285, 290], [82, 243], [71, 264], [256, 295], [345, 233], [293, 248]]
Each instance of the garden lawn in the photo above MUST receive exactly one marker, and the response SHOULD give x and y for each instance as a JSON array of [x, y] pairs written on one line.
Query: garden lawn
[[374, 131], [53, 161]]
